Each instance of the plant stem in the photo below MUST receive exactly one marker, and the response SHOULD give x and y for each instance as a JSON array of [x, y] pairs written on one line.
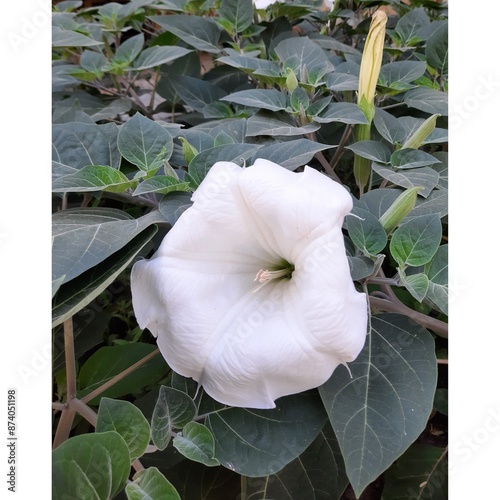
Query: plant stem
[[341, 147], [362, 166], [119, 377]]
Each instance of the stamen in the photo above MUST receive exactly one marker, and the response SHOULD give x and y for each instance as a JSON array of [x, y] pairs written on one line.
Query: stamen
[[265, 276]]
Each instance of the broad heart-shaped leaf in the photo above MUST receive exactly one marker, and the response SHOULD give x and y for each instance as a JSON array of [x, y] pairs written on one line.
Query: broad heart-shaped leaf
[[173, 409], [93, 178], [437, 272], [239, 13], [90, 466], [199, 32], [303, 478], [77, 145], [378, 201], [109, 361], [410, 25], [426, 177], [415, 242], [416, 284], [436, 203], [373, 150], [436, 49], [366, 232], [291, 154], [275, 124], [383, 408], [360, 267], [76, 294], [150, 484], [270, 99], [300, 53], [196, 93], [161, 184], [429, 100], [69, 38], [196, 442], [421, 472], [172, 205], [157, 55], [257, 443], [344, 112], [82, 238], [144, 143], [411, 158], [126, 419], [342, 81], [388, 126], [129, 50], [251, 64], [401, 71], [203, 162]]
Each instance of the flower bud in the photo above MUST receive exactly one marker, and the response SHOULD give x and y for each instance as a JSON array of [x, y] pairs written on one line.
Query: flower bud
[[291, 80], [419, 136], [401, 207], [188, 151]]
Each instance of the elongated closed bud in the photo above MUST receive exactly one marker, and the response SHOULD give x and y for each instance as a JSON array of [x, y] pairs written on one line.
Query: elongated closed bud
[[291, 80], [401, 207], [188, 151], [419, 136], [371, 63]]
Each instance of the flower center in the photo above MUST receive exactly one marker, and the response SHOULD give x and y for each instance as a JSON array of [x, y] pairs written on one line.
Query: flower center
[[283, 270]]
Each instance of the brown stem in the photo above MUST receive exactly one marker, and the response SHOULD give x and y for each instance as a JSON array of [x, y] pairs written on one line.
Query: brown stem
[[341, 146]]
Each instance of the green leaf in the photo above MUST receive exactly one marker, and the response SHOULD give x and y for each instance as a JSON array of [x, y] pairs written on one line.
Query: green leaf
[[239, 14], [436, 203], [173, 205], [410, 25], [344, 112], [441, 401], [422, 472], [82, 238], [109, 361], [415, 242], [429, 100], [77, 145], [378, 201], [251, 64], [360, 267], [151, 484], [342, 81], [255, 443], [425, 177], [436, 49], [144, 143], [389, 127], [203, 162], [76, 294], [302, 478], [173, 410], [199, 32], [196, 93], [276, 124], [437, 272], [196, 442], [291, 154], [416, 284], [129, 50], [299, 99], [90, 466], [373, 150], [401, 71], [412, 158], [93, 61], [380, 411], [93, 178], [161, 184], [366, 232], [126, 419], [271, 99], [157, 55], [68, 38]]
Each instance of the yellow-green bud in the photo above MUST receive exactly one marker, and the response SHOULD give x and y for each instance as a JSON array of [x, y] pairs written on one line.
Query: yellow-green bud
[[188, 151], [419, 136], [401, 207], [291, 80]]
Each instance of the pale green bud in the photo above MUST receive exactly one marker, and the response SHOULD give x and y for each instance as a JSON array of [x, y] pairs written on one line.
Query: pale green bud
[[291, 80], [419, 136], [188, 151], [401, 207]]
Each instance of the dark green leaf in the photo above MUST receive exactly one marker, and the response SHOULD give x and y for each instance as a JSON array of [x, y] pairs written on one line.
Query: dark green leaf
[[150, 484], [388, 126], [196, 442], [291, 154], [144, 143], [261, 442], [78, 469], [76, 294], [161, 184], [342, 81], [129, 50], [426, 177], [173, 410], [409, 26], [373, 150], [436, 203], [383, 408], [271, 99], [199, 32], [126, 419], [415, 242], [366, 232], [360, 267], [93, 61], [441, 401], [416, 284], [196, 93], [109, 361], [429, 100], [68, 38], [412, 158], [251, 64], [344, 112], [275, 124], [157, 55], [436, 49], [239, 14], [437, 272], [299, 99], [401, 71], [172, 205], [378, 201]]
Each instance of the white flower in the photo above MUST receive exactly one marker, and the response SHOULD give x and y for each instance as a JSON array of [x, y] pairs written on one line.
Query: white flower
[[264, 4], [250, 292]]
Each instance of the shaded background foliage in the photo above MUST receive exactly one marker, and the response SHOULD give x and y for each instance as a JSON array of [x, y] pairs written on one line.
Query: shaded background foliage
[[147, 96]]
